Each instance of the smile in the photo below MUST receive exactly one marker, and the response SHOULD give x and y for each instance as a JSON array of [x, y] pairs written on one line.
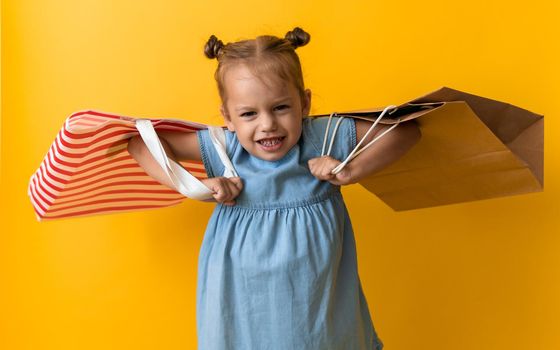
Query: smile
[[271, 144]]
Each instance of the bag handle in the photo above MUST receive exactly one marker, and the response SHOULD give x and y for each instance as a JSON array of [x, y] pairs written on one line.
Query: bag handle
[[184, 183], [355, 151], [218, 137]]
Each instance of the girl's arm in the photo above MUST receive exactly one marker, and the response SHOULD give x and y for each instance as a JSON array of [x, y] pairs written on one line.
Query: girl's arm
[[181, 146], [383, 152], [178, 146]]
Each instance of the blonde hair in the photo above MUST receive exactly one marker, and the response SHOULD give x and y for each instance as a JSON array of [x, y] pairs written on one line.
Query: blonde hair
[[268, 57]]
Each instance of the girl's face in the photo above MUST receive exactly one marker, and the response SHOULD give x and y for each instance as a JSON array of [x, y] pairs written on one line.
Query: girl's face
[[266, 119]]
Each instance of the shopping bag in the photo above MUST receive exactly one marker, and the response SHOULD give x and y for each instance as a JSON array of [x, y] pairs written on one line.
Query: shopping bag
[[88, 170], [471, 148]]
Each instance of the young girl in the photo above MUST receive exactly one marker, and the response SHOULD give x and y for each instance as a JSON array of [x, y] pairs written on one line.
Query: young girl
[[277, 265]]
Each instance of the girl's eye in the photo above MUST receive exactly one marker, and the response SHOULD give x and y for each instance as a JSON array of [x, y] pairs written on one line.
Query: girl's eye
[[249, 114]]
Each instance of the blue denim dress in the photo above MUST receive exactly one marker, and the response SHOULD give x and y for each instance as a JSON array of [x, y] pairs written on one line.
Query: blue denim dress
[[278, 270]]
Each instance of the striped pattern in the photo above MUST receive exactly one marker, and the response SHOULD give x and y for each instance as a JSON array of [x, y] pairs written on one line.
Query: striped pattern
[[88, 170]]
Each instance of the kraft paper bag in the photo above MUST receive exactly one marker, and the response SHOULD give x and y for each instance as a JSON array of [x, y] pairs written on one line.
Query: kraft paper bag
[[471, 148]]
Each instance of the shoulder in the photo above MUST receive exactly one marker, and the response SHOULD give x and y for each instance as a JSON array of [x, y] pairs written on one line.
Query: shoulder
[[210, 158], [231, 140]]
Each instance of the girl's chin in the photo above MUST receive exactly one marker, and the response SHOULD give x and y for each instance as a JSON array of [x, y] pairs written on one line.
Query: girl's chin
[[269, 156]]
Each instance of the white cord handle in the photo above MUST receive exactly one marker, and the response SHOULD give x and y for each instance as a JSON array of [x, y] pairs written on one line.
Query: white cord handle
[[355, 152], [184, 183], [327, 133]]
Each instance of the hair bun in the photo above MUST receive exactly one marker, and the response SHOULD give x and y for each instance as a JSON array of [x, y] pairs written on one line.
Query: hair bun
[[213, 47], [298, 37]]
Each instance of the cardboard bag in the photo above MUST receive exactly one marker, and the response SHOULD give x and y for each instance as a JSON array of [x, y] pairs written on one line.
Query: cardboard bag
[[471, 148]]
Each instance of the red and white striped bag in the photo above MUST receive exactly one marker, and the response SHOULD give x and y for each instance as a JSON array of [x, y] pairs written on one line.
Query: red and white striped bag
[[88, 170]]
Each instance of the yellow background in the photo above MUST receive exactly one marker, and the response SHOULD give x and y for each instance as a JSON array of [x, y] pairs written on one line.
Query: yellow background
[[478, 275]]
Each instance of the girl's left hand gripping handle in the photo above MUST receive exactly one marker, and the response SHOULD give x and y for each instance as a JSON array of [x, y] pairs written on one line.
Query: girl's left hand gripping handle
[[184, 183]]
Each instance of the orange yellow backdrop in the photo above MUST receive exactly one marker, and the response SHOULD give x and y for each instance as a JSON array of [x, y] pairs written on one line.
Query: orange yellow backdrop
[[479, 275]]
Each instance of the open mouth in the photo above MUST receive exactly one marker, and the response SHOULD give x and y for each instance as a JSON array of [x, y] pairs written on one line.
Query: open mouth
[[271, 144], [271, 141]]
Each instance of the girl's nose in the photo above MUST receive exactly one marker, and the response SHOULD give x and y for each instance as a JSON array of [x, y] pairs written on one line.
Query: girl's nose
[[268, 122]]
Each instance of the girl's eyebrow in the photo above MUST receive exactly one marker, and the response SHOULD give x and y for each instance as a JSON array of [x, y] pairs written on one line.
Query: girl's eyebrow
[[282, 99]]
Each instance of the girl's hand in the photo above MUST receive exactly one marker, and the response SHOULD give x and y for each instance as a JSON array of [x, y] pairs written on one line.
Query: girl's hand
[[321, 168], [225, 189]]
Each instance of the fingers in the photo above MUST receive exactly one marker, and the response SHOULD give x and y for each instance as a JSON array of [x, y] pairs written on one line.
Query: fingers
[[322, 167], [225, 189], [342, 178], [237, 182]]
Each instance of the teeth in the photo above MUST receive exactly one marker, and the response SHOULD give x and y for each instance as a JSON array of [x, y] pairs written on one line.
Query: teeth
[[270, 142]]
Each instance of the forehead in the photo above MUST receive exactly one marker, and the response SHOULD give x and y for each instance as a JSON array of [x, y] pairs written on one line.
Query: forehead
[[241, 85]]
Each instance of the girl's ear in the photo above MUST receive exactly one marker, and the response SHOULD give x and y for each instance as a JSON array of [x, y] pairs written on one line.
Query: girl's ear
[[306, 103], [227, 118]]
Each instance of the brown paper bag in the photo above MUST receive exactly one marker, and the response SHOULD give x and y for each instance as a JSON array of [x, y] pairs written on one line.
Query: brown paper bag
[[471, 148]]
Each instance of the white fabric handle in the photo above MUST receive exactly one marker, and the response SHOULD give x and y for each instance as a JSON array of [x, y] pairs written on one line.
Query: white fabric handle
[[218, 137], [355, 151], [184, 183]]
